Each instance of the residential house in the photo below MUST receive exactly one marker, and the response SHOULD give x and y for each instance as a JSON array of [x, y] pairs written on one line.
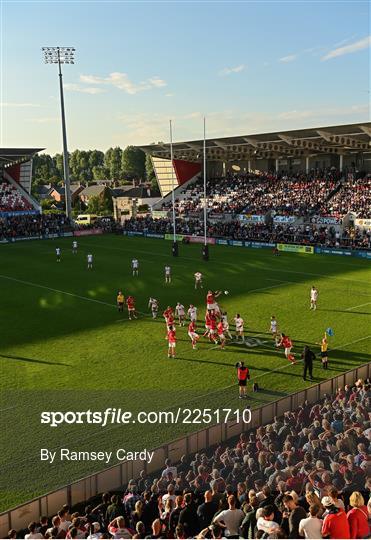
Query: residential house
[[127, 200], [93, 191]]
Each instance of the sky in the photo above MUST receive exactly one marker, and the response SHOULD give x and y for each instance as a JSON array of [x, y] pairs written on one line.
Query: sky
[[248, 67]]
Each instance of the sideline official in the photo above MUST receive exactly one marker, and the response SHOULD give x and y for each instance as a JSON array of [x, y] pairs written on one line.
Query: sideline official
[[243, 375]]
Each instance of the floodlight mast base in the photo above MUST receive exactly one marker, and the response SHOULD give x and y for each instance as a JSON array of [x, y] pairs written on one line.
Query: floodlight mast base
[[205, 252]]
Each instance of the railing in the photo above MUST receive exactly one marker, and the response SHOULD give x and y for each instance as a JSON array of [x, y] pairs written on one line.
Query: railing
[[115, 477]]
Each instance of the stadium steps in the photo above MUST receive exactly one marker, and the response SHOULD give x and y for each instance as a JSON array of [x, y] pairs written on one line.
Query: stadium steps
[[179, 193], [336, 189], [23, 192]]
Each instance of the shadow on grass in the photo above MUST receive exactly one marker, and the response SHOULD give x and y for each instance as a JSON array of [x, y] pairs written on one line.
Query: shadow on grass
[[33, 360]]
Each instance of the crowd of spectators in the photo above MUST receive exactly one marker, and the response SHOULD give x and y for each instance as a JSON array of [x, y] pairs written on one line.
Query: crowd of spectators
[[324, 235], [299, 194], [286, 193], [355, 195], [305, 475], [30, 226], [11, 200]]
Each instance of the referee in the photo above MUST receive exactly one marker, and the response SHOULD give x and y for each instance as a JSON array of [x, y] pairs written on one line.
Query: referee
[[243, 375]]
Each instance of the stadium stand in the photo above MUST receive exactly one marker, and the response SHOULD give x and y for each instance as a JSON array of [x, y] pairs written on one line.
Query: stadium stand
[[309, 234], [33, 225], [354, 195], [306, 474], [11, 200], [301, 194]]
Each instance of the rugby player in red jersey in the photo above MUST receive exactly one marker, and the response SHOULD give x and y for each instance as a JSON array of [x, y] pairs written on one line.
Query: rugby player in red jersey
[[193, 334], [212, 331], [171, 338], [130, 302], [207, 324], [287, 344], [168, 315], [221, 336], [211, 304]]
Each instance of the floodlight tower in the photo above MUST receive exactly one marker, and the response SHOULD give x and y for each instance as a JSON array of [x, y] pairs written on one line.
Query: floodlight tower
[[62, 55]]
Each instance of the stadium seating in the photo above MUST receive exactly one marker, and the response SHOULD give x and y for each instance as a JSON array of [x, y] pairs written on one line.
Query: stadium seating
[[298, 194], [314, 461], [11, 200], [302, 234], [354, 196], [301, 194], [33, 225]]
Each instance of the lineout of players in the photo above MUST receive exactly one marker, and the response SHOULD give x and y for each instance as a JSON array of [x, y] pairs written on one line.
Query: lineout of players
[[217, 328]]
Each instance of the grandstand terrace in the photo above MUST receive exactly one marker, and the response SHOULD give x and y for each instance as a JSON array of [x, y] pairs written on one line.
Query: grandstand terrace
[[303, 186], [345, 147], [307, 468], [15, 181]]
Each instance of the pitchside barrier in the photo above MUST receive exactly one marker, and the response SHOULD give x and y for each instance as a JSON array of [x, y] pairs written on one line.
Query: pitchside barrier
[[293, 248], [114, 478]]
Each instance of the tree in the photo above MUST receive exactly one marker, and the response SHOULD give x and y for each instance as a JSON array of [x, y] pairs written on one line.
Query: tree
[[100, 172], [133, 163], [101, 204], [150, 172], [43, 168], [74, 163], [96, 159], [112, 160], [58, 161], [94, 205]]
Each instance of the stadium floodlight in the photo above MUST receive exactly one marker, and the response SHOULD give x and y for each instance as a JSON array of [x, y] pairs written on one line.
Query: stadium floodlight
[[62, 55], [175, 243], [205, 249]]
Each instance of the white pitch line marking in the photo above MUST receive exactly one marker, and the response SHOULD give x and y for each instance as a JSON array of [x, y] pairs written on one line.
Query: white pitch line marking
[[360, 305]]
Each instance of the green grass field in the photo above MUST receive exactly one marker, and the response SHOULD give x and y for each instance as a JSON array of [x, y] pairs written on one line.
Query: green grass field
[[65, 347]]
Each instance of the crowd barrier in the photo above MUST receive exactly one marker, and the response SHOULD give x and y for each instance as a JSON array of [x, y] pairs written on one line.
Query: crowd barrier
[[293, 248], [36, 237], [115, 477]]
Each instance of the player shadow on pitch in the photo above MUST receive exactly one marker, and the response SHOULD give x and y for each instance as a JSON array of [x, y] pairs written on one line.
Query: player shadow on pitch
[[33, 360]]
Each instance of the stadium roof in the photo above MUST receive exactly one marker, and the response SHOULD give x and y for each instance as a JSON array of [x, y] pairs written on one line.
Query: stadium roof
[[344, 139], [10, 156]]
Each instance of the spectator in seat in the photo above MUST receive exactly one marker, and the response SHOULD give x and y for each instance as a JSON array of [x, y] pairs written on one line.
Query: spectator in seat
[[357, 517], [249, 522], [32, 531], [95, 532], [114, 510], [118, 529], [334, 494], [311, 526], [174, 516], [207, 510], [188, 516], [266, 521], [335, 523], [140, 530], [292, 516], [230, 519], [43, 525]]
